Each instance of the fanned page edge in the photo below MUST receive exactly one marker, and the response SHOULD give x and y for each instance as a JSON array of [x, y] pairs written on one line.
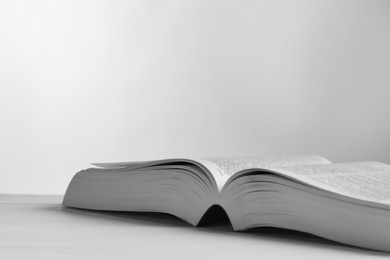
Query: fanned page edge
[[221, 169], [357, 168], [203, 164], [225, 168]]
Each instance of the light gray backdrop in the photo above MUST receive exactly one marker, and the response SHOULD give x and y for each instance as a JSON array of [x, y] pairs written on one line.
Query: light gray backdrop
[[97, 81]]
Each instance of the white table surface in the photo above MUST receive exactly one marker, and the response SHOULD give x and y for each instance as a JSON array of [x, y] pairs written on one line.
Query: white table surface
[[38, 227]]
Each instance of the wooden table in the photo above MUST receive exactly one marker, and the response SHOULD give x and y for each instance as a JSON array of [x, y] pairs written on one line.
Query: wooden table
[[38, 227]]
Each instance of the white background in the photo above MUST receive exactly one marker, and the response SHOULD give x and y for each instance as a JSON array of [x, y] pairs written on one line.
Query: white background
[[98, 81]]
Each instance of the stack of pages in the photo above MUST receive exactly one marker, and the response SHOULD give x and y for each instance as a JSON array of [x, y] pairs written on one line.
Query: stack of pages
[[344, 202]]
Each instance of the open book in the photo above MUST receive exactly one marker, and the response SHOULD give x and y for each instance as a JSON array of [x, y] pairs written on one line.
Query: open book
[[345, 202]]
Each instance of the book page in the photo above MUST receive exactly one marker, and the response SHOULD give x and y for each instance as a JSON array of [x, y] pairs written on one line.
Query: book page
[[223, 168], [369, 181]]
